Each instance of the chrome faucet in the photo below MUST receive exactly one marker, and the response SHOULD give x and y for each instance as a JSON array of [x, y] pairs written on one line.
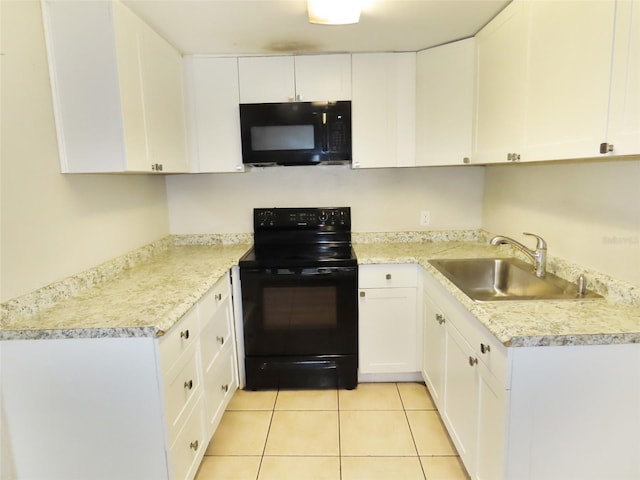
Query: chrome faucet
[[537, 256]]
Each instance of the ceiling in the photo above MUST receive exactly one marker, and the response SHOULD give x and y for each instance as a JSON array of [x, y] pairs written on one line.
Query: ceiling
[[281, 26]]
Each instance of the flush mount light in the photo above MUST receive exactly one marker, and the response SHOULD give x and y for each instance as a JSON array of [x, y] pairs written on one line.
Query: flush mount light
[[333, 12]]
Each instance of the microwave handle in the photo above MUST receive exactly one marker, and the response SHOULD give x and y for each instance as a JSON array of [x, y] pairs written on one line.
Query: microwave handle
[[325, 133]]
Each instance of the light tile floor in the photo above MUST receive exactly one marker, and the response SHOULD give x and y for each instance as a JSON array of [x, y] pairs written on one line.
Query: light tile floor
[[377, 431]]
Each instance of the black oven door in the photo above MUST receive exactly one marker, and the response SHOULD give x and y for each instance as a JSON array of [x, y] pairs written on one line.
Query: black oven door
[[300, 311]]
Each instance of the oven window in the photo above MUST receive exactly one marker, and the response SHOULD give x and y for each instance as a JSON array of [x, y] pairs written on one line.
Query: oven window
[[299, 308], [282, 137]]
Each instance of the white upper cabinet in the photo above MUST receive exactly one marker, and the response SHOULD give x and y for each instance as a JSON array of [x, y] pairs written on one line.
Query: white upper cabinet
[[323, 77], [558, 80], [164, 102], [214, 114], [383, 109], [501, 49], [117, 90], [623, 133], [303, 78], [567, 81], [445, 81]]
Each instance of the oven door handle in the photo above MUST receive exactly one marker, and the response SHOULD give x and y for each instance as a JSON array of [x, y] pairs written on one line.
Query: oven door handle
[[311, 271]]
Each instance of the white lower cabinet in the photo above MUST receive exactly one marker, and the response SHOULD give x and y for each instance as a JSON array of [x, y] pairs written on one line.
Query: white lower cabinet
[[434, 348], [188, 449], [460, 409], [535, 413], [119, 408], [388, 338]]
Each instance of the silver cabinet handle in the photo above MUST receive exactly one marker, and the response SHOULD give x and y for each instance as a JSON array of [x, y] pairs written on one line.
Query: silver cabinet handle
[[388, 276], [194, 445], [606, 148], [188, 385], [466, 160], [220, 340], [363, 294], [218, 296], [185, 334], [225, 388], [473, 361], [485, 348], [440, 318]]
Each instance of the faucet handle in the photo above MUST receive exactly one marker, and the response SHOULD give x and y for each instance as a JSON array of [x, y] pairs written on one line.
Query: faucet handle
[[540, 243]]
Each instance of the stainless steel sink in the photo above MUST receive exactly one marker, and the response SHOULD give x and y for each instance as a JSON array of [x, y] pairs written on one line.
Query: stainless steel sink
[[490, 279]]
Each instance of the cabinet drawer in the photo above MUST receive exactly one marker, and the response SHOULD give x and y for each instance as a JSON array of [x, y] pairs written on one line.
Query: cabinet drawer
[[177, 340], [220, 382], [216, 334], [387, 276], [189, 447], [213, 299], [181, 389]]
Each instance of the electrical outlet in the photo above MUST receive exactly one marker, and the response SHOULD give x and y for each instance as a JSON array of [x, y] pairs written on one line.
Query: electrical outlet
[[425, 217]]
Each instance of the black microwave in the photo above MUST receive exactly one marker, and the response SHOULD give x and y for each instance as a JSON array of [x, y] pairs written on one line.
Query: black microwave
[[296, 133]]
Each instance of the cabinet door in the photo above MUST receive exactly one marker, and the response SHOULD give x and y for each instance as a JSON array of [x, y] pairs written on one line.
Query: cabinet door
[[383, 109], [323, 77], [624, 108], [492, 411], [214, 114], [163, 97], [501, 50], [266, 79], [460, 412], [567, 80], [444, 103], [434, 350], [89, 126], [387, 330], [128, 37]]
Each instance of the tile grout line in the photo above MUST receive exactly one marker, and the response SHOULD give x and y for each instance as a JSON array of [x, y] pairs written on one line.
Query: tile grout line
[[413, 438], [264, 448]]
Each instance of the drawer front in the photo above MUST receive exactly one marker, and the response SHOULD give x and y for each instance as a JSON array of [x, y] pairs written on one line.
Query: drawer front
[[182, 388], [220, 383], [387, 276], [213, 299], [216, 333], [190, 445], [182, 336]]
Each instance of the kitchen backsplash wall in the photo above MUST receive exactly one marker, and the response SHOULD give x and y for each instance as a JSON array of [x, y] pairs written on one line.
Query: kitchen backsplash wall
[[589, 212], [53, 225], [387, 200]]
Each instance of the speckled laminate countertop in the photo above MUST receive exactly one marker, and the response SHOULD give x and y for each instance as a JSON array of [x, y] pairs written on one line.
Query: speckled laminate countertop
[[611, 320], [143, 301], [151, 296]]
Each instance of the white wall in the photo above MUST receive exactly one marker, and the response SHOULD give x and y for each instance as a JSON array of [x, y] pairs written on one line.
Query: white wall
[[589, 212], [52, 225], [380, 199]]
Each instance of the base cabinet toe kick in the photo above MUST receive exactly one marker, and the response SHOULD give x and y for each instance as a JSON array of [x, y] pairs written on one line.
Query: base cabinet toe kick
[[535, 413]]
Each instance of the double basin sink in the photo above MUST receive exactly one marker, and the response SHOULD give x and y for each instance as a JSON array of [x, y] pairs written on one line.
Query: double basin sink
[[494, 279]]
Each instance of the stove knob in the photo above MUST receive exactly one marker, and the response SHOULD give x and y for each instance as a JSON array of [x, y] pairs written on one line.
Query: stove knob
[[323, 217]]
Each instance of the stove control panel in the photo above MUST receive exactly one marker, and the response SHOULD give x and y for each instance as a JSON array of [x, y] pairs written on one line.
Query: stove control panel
[[302, 218]]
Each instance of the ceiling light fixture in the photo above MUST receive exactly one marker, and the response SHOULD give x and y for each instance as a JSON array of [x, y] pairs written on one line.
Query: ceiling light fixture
[[333, 12]]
